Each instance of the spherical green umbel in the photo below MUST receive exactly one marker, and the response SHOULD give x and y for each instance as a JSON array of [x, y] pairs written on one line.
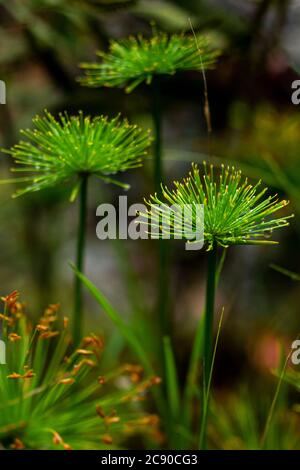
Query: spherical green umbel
[[60, 150], [235, 212], [131, 61]]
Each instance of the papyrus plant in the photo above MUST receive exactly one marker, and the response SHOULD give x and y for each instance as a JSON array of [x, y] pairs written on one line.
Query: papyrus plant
[[130, 62], [69, 150], [55, 397], [235, 213]]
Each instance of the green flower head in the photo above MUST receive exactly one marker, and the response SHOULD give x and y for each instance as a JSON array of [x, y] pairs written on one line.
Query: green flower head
[[59, 150], [135, 60], [235, 212]]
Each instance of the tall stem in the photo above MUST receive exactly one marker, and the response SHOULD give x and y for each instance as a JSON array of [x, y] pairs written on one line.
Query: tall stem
[[162, 303], [157, 122], [208, 337], [209, 312], [78, 304]]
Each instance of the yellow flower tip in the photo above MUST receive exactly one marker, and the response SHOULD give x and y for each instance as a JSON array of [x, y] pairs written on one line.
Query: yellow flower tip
[[48, 334], [14, 337], [28, 375], [57, 439], [67, 381], [84, 352], [107, 439], [14, 375], [100, 411], [67, 446], [40, 327], [111, 420], [156, 380], [101, 380], [17, 444]]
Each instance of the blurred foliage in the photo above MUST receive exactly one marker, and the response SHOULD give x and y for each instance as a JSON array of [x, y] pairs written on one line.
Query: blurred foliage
[[54, 398], [237, 424], [264, 148]]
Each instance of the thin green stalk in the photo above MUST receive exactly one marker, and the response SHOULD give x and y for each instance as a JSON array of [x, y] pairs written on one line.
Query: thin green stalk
[[191, 388], [208, 338], [78, 304], [163, 297], [172, 379], [274, 401], [127, 332], [172, 392], [206, 393], [209, 312], [157, 124]]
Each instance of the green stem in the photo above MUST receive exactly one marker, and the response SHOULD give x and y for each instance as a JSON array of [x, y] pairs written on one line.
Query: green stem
[[208, 332], [157, 123], [205, 408], [78, 304], [274, 402], [163, 297], [163, 262], [209, 312]]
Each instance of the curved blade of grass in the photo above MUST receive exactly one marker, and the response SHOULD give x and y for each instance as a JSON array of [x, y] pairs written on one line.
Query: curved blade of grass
[[274, 401], [171, 378], [190, 388], [286, 272], [117, 319], [206, 390], [282, 180], [133, 341]]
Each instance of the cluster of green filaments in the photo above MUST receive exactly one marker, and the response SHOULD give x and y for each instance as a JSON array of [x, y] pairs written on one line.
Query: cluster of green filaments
[[234, 211], [53, 397], [131, 61], [57, 150]]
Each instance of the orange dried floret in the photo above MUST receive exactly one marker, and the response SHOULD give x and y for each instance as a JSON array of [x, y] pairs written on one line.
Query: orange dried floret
[[107, 439], [13, 337], [111, 420], [51, 309], [87, 362], [28, 375], [67, 381], [41, 327], [9, 320], [67, 446], [17, 444], [57, 439], [100, 411], [10, 299], [84, 352], [49, 334], [93, 340]]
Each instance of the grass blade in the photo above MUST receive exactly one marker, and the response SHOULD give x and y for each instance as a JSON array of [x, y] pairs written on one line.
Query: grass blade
[[274, 402], [286, 272], [171, 378], [117, 319], [206, 390]]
